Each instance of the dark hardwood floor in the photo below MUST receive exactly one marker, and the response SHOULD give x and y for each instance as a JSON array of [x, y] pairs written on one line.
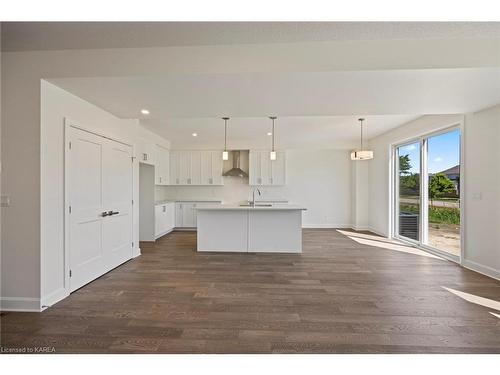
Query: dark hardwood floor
[[339, 296]]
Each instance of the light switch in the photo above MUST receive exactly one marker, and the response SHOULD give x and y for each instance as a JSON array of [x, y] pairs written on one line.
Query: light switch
[[4, 201]]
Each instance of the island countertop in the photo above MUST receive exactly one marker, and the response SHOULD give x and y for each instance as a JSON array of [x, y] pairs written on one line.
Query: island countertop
[[249, 229], [274, 207]]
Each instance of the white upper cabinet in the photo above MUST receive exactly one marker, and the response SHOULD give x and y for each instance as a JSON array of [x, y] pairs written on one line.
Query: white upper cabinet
[[146, 152], [195, 168], [266, 172], [185, 167], [195, 177], [162, 166], [216, 178], [278, 169], [175, 168]]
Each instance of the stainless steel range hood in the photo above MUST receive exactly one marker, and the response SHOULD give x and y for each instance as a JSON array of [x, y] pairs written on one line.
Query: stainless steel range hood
[[236, 170]]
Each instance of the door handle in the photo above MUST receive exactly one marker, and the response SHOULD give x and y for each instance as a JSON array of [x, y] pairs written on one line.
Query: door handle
[[111, 213], [104, 214]]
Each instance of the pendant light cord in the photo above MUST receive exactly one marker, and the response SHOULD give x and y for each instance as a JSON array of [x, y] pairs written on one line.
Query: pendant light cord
[[273, 134], [361, 131], [225, 132]]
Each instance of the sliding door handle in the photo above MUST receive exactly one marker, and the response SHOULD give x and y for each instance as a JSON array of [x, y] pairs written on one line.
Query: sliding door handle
[[104, 214], [111, 213]]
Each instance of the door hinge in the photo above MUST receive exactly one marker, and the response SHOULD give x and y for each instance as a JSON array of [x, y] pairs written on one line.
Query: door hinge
[[69, 209], [70, 145], [132, 244], [132, 201], [70, 273]]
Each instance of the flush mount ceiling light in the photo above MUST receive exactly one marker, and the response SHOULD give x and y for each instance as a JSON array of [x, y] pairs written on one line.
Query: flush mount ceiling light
[[361, 154], [194, 134], [269, 133], [272, 154], [144, 111], [225, 154]]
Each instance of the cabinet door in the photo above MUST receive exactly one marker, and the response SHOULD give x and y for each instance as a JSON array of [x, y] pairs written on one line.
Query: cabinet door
[[158, 165], [216, 168], [278, 168], [174, 168], [158, 218], [178, 215], [162, 165], [170, 219], [206, 168], [164, 219], [146, 152], [255, 177], [265, 168], [195, 169], [187, 215], [165, 167], [185, 167]]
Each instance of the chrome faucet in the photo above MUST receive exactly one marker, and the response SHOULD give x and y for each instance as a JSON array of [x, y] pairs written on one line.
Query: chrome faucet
[[252, 203]]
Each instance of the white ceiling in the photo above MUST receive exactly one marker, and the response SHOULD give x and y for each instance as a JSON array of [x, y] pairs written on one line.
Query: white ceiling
[[22, 36], [290, 132], [390, 73], [315, 109]]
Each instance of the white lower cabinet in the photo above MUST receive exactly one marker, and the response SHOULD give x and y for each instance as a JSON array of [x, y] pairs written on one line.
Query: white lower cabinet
[[185, 215], [164, 218]]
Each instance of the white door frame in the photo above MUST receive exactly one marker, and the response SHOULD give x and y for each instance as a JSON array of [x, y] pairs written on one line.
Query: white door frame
[[422, 140], [67, 125]]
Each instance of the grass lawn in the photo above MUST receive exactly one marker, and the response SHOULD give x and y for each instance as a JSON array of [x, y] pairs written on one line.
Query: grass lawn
[[437, 215]]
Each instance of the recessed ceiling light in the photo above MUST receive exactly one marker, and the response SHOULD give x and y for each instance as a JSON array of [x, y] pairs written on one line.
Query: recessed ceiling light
[[269, 133], [144, 111], [194, 134]]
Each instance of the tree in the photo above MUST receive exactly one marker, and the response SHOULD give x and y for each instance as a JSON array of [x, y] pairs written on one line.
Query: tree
[[439, 185], [409, 182], [404, 164]]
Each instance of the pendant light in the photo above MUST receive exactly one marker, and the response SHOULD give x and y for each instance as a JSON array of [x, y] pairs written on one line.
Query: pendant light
[[361, 154], [272, 154], [225, 154]]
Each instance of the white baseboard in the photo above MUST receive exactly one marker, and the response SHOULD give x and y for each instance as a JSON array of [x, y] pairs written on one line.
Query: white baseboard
[[485, 270], [325, 225], [53, 298], [20, 304], [167, 232]]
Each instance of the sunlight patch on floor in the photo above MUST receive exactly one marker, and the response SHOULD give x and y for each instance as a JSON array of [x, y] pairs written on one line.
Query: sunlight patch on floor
[[497, 315], [385, 243], [486, 302]]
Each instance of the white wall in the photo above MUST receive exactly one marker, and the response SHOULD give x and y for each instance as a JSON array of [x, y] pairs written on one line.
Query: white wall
[[318, 179], [56, 105], [481, 170], [482, 191]]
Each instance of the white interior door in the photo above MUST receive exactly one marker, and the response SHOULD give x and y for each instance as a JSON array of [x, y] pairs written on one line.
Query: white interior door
[[100, 197]]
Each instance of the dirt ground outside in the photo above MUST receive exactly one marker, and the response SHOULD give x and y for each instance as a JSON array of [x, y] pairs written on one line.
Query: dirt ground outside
[[445, 237]]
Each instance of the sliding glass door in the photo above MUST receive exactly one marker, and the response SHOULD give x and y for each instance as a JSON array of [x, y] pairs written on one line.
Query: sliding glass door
[[408, 187], [427, 192], [443, 197]]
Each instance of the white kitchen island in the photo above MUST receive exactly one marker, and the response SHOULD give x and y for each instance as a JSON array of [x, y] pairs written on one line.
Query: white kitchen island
[[252, 229]]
